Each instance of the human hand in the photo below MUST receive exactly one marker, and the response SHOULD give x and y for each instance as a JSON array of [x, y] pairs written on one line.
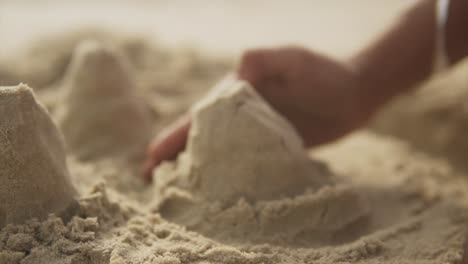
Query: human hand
[[321, 97]]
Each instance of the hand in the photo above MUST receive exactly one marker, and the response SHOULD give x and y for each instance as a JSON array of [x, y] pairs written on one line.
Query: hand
[[321, 97]]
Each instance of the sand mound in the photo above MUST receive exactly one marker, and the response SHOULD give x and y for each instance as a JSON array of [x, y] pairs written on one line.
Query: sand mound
[[34, 178], [245, 173], [102, 114], [440, 109]]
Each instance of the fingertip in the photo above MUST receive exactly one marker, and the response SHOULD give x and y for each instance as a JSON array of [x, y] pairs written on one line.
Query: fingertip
[[147, 170], [166, 146]]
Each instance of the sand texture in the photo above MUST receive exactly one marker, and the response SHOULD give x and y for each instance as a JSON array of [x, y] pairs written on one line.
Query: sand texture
[[441, 111], [34, 176], [244, 190]]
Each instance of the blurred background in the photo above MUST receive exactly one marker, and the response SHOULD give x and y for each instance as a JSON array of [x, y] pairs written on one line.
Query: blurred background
[[334, 26]]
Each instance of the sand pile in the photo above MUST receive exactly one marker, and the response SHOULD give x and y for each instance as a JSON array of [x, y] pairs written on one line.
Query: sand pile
[[244, 190], [440, 109], [34, 178], [101, 114], [245, 175]]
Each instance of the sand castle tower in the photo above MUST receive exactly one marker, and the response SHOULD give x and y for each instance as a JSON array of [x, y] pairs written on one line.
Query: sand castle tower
[[239, 147], [102, 115], [245, 159], [34, 179]]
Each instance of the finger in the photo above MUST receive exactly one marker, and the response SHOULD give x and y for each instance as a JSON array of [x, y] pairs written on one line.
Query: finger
[[251, 66], [167, 145]]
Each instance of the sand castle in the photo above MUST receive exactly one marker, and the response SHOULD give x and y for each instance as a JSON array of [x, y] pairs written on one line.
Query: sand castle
[[243, 158], [101, 114], [34, 178]]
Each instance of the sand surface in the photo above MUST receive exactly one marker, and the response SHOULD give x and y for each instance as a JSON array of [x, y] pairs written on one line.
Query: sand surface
[[244, 191]]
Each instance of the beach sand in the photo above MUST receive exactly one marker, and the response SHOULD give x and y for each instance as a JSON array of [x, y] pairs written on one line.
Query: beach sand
[[244, 191]]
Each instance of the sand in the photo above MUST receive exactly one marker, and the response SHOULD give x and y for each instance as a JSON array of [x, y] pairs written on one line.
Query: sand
[[441, 112], [244, 191], [35, 178], [91, 101]]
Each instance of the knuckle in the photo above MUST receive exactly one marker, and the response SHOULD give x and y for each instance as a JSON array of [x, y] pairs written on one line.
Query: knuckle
[[251, 57]]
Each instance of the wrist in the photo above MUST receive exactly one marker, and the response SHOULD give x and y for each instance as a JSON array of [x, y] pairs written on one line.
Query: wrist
[[399, 59]]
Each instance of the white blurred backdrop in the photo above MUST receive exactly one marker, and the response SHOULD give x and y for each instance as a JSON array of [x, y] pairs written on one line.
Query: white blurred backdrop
[[335, 26]]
